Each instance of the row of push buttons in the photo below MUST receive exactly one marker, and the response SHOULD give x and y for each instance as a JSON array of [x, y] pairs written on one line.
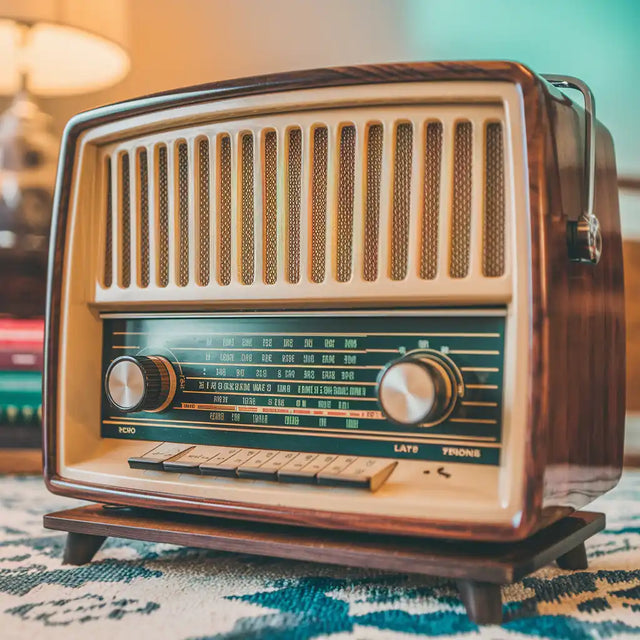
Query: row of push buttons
[[267, 464]]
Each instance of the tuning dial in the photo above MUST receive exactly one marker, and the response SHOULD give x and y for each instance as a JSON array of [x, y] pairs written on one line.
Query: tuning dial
[[417, 389], [140, 383]]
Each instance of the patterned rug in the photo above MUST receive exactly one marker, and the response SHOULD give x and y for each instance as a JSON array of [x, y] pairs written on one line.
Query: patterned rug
[[161, 591]]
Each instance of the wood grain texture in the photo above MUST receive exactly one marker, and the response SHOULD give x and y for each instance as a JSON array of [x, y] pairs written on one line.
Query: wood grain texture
[[560, 430], [582, 339], [486, 562], [631, 252]]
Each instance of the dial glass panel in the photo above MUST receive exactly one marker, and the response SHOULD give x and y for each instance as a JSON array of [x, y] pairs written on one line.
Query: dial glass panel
[[309, 382]]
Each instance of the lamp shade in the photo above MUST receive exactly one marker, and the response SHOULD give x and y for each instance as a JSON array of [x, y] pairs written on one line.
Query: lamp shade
[[71, 46]]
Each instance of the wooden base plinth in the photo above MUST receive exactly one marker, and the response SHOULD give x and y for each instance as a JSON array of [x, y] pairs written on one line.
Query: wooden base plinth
[[479, 568]]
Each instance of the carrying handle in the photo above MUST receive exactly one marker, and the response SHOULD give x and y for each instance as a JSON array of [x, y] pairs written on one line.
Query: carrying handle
[[584, 236]]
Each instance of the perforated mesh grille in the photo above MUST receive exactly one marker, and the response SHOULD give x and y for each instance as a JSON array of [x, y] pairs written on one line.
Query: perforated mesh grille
[[494, 214], [270, 195], [431, 212], [372, 202], [224, 207], [319, 204], [247, 222], [108, 235], [357, 205], [163, 218], [346, 177], [125, 218], [401, 209], [294, 193], [461, 206], [143, 200], [204, 222], [183, 213]]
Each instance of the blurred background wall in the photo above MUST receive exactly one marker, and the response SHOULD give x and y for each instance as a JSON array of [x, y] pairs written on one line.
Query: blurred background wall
[[174, 43]]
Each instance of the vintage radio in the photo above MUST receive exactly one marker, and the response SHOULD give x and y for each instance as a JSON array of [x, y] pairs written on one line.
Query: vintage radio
[[365, 298]]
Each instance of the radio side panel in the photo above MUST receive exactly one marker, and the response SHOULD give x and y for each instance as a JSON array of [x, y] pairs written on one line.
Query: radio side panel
[[584, 350], [536, 425]]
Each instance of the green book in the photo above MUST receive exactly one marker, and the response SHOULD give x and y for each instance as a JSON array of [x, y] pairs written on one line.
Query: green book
[[20, 396]]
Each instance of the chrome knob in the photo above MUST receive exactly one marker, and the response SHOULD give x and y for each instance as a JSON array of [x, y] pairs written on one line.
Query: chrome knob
[[140, 383], [416, 390]]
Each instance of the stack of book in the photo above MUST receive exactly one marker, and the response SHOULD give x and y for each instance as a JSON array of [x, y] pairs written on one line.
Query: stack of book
[[21, 360]]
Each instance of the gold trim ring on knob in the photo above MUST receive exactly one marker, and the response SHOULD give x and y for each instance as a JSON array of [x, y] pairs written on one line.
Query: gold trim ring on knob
[[140, 383], [173, 383]]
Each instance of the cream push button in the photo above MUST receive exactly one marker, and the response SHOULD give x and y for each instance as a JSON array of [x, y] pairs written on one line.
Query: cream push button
[[155, 458], [190, 461], [366, 473], [363, 473], [278, 461], [229, 465], [302, 469], [255, 468]]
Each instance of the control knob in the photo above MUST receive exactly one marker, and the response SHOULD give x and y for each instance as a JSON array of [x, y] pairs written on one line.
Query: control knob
[[140, 383], [417, 389]]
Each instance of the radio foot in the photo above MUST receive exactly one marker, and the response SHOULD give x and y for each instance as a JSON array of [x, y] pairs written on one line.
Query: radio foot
[[575, 559], [482, 600], [80, 548]]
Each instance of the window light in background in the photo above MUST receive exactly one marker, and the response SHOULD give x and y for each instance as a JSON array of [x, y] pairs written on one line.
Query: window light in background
[[48, 48]]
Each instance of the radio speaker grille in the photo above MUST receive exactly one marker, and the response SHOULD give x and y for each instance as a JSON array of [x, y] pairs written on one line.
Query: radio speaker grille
[[204, 220], [108, 234], [372, 202], [143, 203], [224, 207], [125, 221], [294, 193], [163, 217], [270, 194], [493, 228], [431, 213], [461, 208], [360, 201]]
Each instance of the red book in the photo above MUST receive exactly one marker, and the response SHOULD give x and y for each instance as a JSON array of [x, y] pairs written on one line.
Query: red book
[[23, 331], [21, 344]]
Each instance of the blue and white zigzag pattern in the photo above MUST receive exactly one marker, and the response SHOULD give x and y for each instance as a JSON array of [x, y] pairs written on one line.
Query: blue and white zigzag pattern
[[162, 591]]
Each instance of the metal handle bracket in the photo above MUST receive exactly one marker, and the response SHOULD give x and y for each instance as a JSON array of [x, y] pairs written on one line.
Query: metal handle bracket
[[584, 236]]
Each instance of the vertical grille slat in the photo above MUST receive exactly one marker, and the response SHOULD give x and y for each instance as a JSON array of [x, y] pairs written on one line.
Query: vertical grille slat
[[143, 200], [431, 206], [372, 201], [461, 205], [247, 257], [325, 199], [270, 208], [163, 217], [203, 209], [182, 206], [493, 232], [125, 217], [294, 203], [401, 207], [319, 204], [224, 209], [346, 186], [108, 227]]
